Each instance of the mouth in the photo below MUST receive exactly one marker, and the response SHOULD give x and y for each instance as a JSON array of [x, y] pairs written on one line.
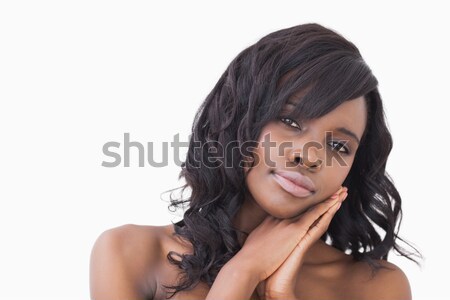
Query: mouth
[[294, 183]]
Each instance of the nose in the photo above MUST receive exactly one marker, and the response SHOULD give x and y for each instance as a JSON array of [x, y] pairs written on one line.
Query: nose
[[306, 157]]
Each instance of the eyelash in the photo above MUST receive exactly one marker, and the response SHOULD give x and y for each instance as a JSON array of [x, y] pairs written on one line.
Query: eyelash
[[347, 150]]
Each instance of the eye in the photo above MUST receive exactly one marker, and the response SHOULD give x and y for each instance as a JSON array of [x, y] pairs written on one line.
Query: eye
[[340, 146], [289, 122]]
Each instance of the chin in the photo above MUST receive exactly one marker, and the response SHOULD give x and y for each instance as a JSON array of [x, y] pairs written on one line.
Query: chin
[[285, 214]]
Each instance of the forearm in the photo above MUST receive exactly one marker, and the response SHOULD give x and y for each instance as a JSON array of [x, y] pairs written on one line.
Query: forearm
[[233, 282]]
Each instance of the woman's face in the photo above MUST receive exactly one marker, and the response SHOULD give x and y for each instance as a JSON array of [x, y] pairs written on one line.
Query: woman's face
[[326, 151]]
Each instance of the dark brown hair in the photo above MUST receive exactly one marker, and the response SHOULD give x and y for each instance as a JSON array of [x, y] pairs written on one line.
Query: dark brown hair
[[251, 93]]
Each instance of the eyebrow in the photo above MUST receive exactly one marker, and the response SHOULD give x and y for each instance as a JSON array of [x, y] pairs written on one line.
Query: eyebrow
[[343, 130], [349, 133]]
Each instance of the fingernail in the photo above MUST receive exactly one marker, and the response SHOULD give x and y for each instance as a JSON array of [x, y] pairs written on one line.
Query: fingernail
[[338, 205], [335, 195], [345, 197]]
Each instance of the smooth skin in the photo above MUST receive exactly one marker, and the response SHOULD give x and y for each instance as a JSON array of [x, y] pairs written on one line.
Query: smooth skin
[[282, 257], [281, 284], [273, 254]]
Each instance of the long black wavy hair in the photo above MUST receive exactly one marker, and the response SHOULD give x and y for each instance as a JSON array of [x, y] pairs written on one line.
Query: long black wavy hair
[[326, 69]]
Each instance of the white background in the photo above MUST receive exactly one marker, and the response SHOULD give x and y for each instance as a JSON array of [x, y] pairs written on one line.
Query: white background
[[77, 74]]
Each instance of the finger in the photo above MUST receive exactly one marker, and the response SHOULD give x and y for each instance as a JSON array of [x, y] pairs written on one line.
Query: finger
[[333, 198], [323, 206], [313, 213], [319, 227], [308, 218], [327, 216], [338, 191], [341, 190], [288, 271]]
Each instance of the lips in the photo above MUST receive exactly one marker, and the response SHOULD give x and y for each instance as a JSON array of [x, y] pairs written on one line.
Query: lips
[[294, 183]]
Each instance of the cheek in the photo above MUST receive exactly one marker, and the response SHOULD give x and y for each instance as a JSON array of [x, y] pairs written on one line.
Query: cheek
[[255, 156], [335, 178]]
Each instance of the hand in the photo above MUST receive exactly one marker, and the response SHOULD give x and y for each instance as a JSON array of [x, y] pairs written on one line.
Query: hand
[[281, 283]]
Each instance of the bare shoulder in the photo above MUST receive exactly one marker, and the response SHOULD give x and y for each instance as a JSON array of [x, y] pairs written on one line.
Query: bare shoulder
[[123, 263], [389, 283]]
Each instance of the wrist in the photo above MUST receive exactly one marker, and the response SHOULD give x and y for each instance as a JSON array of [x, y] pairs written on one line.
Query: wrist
[[233, 282], [238, 268]]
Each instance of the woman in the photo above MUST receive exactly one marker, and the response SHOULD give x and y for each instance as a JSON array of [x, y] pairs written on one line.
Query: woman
[[286, 166]]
